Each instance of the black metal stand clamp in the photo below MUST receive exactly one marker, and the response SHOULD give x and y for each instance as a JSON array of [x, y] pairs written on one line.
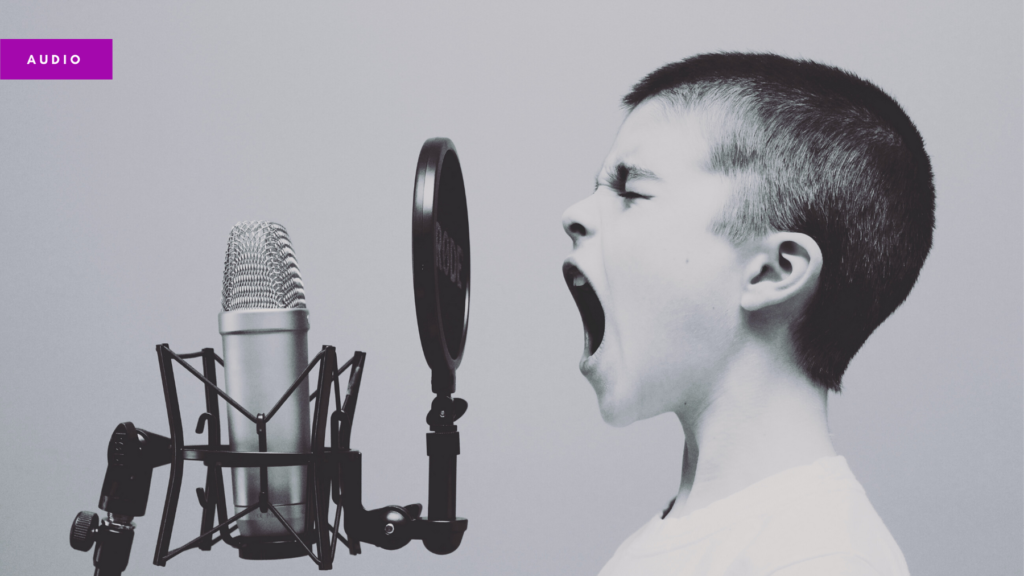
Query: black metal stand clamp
[[132, 454]]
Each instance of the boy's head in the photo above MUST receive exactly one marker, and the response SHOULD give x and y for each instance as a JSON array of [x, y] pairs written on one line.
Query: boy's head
[[718, 153]]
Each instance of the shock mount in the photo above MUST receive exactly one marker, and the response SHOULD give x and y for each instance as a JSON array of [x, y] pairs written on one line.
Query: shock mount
[[333, 473]]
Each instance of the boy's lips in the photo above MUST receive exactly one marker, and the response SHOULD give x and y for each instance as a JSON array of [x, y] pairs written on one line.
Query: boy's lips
[[589, 305]]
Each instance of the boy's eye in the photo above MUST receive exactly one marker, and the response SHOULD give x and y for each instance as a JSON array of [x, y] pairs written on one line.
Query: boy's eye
[[629, 197], [618, 181]]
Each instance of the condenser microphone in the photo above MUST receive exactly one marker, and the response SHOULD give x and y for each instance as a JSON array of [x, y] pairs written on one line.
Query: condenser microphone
[[264, 324]]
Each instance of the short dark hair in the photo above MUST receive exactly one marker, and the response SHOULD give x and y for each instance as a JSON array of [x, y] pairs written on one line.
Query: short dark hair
[[816, 150]]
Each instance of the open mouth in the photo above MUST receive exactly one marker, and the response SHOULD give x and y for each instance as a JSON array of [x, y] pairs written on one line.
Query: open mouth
[[589, 305]]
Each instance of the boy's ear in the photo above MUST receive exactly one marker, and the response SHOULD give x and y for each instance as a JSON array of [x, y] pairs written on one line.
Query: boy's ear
[[784, 267]]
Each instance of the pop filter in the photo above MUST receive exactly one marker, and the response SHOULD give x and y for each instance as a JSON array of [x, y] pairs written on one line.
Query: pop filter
[[440, 260]]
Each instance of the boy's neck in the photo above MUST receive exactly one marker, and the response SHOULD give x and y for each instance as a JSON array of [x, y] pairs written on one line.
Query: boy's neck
[[764, 417]]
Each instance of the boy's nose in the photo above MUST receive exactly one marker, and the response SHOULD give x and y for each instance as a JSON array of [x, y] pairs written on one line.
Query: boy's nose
[[578, 221]]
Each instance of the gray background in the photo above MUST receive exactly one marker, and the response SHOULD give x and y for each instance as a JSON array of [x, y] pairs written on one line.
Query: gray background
[[116, 199]]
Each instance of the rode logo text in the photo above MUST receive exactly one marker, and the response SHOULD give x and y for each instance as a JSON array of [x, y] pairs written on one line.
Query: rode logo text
[[447, 255]]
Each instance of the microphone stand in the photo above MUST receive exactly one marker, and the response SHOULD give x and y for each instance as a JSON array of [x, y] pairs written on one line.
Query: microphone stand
[[133, 453]]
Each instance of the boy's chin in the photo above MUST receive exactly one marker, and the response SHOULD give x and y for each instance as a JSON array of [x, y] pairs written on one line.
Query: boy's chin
[[617, 413], [617, 397]]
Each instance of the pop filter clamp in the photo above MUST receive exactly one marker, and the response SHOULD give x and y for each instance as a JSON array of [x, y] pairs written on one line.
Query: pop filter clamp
[[441, 273]]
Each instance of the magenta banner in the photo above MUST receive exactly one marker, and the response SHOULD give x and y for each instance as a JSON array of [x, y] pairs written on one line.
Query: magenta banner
[[53, 59]]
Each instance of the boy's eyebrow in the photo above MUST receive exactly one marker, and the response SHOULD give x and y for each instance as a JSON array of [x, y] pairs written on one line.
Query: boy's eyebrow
[[623, 173]]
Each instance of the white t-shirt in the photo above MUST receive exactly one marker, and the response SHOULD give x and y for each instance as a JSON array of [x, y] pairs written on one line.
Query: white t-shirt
[[812, 520]]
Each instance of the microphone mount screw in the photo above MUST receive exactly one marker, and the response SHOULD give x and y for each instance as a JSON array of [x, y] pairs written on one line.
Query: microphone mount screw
[[83, 531], [389, 528]]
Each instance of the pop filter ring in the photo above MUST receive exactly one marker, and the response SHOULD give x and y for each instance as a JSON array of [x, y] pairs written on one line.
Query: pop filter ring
[[441, 260]]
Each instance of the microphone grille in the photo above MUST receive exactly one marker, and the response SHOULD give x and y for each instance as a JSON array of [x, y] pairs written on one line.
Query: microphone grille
[[260, 270]]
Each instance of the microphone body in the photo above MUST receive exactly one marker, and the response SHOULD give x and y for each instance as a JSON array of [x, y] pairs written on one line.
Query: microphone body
[[264, 352], [264, 324]]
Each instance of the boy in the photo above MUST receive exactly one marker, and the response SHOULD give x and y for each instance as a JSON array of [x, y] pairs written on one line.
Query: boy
[[756, 219]]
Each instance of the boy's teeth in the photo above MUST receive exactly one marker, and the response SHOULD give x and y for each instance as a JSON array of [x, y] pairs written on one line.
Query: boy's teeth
[[579, 281]]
